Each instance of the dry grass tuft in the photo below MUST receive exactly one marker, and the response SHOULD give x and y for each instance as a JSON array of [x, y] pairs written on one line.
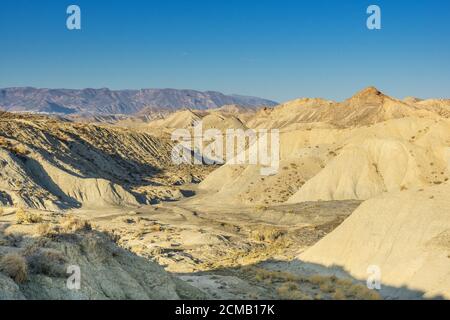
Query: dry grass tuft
[[339, 294], [291, 291], [156, 228], [343, 289], [294, 287], [269, 276], [14, 266], [24, 216], [47, 230], [361, 292]]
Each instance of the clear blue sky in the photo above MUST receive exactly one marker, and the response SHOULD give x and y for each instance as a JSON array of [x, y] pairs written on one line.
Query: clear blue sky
[[277, 49]]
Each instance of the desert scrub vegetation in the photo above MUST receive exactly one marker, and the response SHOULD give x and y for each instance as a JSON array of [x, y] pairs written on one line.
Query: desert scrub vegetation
[[296, 287], [47, 230], [14, 266], [48, 262], [3, 142], [269, 276], [24, 216], [267, 234], [291, 291], [18, 148], [250, 255], [72, 224], [343, 289]]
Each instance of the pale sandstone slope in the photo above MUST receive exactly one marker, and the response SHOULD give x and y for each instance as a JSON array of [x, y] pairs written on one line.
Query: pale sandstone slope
[[343, 164], [372, 163], [221, 119], [406, 234]]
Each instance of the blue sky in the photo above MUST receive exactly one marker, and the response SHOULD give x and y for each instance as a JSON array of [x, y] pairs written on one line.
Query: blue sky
[[277, 49]]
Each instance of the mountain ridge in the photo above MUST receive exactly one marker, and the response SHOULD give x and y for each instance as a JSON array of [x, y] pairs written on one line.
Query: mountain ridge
[[368, 106], [106, 101]]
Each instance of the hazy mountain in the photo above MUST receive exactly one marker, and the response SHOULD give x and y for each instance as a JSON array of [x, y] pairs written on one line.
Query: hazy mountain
[[105, 101]]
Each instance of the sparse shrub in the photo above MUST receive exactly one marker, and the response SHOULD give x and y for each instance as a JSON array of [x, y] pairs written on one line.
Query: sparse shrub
[[156, 228], [261, 274], [327, 287], [14, 266], [359, 291], [339, 294], [46, 230], [24, 216], [291, 291], [49, 262], [318, 279], [267, 234], [372, 295], [71, 224], [3, 142], [20, 150], [344, 282]]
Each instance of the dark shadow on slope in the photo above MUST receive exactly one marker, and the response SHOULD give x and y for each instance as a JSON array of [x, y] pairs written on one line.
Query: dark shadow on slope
[[303, 270], [38, 174], [87, 160], [187, 193]]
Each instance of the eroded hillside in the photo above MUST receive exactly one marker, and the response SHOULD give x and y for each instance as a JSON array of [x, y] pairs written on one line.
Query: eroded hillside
[[50, 164]]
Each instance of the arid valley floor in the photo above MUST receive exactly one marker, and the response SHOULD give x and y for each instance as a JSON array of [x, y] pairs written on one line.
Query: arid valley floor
[[363, 182]]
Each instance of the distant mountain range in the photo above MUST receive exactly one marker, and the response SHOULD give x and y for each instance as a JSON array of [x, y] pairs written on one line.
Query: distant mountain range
[[106, 101]]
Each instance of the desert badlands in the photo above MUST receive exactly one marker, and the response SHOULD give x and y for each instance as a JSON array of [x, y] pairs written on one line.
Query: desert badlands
[[360, 195]]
